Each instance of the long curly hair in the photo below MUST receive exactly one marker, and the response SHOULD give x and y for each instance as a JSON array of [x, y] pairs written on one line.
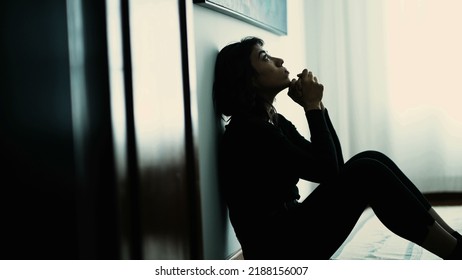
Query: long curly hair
[[234, 93]]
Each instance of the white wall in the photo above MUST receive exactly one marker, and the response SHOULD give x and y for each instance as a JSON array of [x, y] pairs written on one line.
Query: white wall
[[213, 31], [373, 57]]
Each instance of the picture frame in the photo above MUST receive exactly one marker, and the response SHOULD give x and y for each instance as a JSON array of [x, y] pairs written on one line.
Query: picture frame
[[267, 14]]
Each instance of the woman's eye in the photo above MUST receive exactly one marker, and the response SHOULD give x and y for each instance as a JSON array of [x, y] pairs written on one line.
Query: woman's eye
[[266, 57]]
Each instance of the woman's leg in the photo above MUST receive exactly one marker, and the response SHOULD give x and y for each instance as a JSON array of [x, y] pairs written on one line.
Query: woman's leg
[[408, 184], [366, 181], [440, 224]]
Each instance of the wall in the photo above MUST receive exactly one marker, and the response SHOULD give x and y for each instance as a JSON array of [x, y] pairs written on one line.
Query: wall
[[213, 31]]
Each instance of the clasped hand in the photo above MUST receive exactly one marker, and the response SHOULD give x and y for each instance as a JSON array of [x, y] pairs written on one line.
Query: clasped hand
[[306, 91]]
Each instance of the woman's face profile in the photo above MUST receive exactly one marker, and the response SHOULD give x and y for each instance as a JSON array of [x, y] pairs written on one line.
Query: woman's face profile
[[271, 77]]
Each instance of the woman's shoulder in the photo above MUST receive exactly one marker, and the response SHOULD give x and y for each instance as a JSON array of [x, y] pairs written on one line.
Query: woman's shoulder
[[282, 118]]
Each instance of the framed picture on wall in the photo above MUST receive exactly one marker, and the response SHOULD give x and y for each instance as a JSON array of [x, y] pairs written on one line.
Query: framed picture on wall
[[268, 14]]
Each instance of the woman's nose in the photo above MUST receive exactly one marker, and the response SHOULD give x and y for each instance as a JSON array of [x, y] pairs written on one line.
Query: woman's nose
[[278, 61]]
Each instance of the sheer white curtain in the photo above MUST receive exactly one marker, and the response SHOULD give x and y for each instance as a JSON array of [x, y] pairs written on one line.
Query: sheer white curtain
[[392, 76]]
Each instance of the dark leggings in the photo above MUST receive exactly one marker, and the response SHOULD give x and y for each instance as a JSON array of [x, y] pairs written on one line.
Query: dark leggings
[[327, 216]]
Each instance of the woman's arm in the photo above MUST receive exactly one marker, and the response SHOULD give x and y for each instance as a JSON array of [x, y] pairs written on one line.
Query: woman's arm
[[314, 160], [323, 142], [308, 93], [335, 138]]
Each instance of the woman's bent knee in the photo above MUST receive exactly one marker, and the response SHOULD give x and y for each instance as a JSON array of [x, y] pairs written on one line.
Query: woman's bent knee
[[370, 154]]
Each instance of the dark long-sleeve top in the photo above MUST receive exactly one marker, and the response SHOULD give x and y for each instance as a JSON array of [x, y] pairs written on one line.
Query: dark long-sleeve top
[[261, 163]]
